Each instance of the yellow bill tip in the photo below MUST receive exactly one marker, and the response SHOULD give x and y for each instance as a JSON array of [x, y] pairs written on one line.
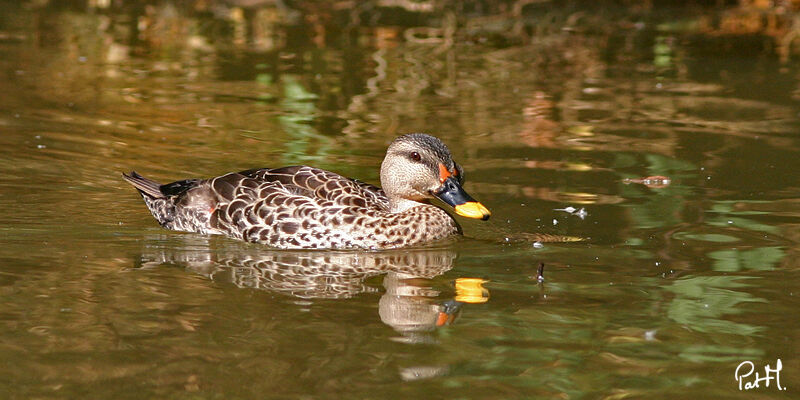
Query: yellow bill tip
[[473, 209]]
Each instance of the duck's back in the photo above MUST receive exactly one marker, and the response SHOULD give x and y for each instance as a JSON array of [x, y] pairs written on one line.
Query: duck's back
[[292, 207], [322, 185]]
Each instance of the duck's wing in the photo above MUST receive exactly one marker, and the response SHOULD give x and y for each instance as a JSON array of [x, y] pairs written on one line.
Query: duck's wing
[[292, 207], [319, 184]]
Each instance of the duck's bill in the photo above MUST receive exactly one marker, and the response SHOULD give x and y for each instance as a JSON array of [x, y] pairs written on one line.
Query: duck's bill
[[473, 209], [451, 193]]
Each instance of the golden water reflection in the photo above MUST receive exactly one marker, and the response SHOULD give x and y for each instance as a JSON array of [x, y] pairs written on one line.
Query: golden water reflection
[[411, 304]]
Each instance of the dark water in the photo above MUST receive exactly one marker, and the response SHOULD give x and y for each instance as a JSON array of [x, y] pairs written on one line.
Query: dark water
[[671, 289]]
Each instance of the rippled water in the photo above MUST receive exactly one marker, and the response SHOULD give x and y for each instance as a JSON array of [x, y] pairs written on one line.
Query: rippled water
[[676, 282]]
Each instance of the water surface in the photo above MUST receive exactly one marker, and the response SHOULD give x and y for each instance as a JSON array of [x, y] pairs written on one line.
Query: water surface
[[670, 289]]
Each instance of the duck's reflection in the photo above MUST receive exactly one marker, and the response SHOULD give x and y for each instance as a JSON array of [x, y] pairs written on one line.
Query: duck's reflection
[[411, 305]]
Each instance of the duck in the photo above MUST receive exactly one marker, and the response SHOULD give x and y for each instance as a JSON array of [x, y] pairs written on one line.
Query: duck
[[302, 207]]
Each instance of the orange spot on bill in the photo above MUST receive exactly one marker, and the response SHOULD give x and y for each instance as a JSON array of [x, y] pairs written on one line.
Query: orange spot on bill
[[443, 173]]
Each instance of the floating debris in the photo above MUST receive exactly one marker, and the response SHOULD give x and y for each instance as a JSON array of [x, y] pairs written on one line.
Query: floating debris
[[541, 238], [540, 273], [573, 211], [417, 373], [653, 182]]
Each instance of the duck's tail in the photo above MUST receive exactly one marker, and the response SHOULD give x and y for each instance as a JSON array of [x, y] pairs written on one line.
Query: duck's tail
[[162, 208], [166, 203], [145, 186]]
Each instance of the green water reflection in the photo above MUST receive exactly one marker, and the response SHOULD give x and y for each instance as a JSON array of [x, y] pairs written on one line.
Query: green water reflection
[[702, 302], [547, 105]]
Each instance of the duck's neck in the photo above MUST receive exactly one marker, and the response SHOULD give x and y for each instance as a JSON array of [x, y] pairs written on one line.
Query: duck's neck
[[398, 205]]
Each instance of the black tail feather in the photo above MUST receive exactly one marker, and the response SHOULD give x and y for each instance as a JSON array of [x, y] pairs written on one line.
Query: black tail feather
[[146, 186], [179, 187]]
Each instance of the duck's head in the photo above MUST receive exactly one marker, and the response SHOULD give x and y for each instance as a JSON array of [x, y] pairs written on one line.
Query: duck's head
[[419, 167]]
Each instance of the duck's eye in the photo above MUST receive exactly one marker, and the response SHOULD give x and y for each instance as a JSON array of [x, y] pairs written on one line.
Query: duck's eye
[[415, 156]]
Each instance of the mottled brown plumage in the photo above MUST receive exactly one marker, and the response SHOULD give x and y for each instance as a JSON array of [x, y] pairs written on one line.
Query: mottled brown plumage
[[306, 207]]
